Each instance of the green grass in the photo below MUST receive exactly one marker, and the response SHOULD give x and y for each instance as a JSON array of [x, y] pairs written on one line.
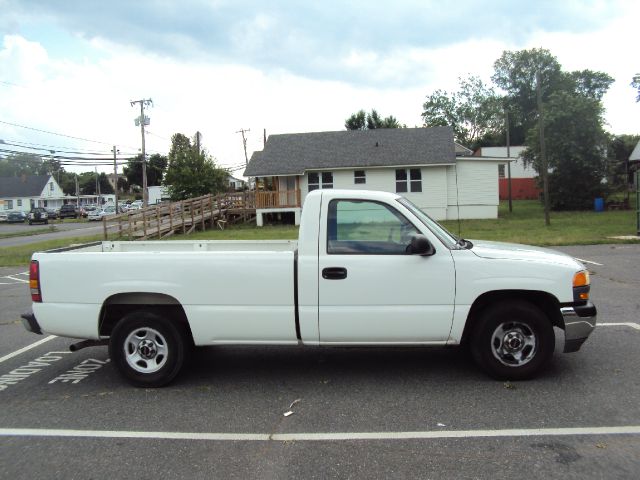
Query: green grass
[[526, 225], [20, 255]]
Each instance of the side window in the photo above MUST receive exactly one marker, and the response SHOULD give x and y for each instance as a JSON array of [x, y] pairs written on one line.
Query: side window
[[19, 202], [367, 228], [408, 180], [501, 171], [359, 177], [315, 179]]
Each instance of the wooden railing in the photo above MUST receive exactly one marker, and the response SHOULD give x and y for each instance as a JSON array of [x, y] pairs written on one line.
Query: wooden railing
[[278, 199], [159, 221]]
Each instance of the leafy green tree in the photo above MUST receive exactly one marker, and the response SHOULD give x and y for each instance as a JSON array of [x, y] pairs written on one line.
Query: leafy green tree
[[87, 183], [575, 149], [191, 173], [370, 121], [156, 166], [619, 175], [474, 112]]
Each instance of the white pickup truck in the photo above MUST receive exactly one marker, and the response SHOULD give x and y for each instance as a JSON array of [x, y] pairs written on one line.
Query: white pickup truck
[[369, 268]]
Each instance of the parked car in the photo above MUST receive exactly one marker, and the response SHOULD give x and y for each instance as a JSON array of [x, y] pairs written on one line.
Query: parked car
[[38, 215], [52, 213], [15, 217], [98, 214], [3, 216], [68, 211], [87, 209]]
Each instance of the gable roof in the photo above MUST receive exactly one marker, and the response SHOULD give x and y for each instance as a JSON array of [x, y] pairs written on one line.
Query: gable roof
[[635, 155], [295, 153], [31, 186]]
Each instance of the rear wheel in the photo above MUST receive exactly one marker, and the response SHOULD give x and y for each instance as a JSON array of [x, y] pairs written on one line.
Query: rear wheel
[[147, 349], [512, 340]]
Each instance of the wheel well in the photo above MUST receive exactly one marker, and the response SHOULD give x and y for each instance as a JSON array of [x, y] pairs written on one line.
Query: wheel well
[[546, 302], [119, 305]]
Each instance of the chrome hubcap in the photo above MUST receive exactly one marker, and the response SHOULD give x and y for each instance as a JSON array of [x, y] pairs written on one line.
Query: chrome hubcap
[[146, 350], [513, 344]]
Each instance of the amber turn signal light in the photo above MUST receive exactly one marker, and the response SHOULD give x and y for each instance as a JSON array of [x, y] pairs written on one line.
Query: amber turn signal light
[[581, 279]]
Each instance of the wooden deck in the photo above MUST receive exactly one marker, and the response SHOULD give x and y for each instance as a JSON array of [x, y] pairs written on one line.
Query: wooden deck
[[201, 213]]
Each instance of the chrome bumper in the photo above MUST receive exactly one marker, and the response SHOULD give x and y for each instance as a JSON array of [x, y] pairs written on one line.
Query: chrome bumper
[[579, 322]]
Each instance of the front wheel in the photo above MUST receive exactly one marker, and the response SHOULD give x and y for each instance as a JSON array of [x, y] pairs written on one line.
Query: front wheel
[[512, 340], [147, 349]]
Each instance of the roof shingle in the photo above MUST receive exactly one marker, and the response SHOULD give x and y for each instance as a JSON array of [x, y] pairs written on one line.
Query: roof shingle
[[295, 153], [28, 186]]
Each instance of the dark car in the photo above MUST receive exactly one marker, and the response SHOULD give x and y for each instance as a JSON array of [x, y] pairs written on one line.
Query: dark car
[[68, 211], [52, 213], [15, 217], [38, 215]]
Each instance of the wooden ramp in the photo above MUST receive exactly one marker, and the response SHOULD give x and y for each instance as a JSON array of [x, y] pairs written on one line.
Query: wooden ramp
[[163, 220]]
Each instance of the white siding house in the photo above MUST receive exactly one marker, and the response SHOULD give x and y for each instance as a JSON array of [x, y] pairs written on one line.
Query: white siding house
[[419, 163], [22, 193]]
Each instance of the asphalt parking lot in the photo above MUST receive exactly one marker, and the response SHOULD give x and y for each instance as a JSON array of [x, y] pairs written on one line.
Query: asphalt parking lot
[[357, 412]]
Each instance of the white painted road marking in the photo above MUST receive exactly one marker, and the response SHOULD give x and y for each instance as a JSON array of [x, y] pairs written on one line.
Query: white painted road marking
[[339, 436], [588, 261], [28, 347], [20, 280], [622, 324]]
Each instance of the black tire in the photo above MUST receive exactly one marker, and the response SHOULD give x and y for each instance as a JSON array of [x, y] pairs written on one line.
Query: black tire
[[30, 222], [46, 222], [512, 340], [149, 332]]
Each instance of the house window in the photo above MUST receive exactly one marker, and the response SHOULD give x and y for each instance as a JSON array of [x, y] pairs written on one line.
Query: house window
[[500, 171], [19, 202], [408, 180], [51, 186], [359, 177], [8, 205], [320, 180]]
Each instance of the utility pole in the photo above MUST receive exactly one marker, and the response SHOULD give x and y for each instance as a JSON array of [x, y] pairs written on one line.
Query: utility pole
[[246, 159], [98, 188], [77, 194], [244, 143], [543, 156], [143, 121], [198, 142], [115, 176], [506, 112]]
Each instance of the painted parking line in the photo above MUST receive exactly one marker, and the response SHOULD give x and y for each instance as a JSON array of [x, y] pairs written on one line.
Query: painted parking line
[[337, 436], [620, 324], [27, 348], [19, 280], [589, 262]]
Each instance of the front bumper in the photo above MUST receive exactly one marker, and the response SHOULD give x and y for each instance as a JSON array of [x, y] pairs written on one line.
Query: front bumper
[[30, 323], [579, 322]]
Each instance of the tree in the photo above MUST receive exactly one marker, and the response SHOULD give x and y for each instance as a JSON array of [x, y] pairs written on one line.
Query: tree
[[87, 183], [619, 176], [474, 112], [370, 121], [156, 166], [575, 148], [191, 173]]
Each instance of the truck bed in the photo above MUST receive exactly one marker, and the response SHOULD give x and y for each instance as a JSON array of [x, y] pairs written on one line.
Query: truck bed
[[187, 246]]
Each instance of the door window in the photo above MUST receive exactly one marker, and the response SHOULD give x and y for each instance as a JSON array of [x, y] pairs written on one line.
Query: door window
[[367, 228]]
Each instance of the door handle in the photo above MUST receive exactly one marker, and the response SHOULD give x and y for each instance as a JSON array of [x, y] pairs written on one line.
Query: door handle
[[334, 273]]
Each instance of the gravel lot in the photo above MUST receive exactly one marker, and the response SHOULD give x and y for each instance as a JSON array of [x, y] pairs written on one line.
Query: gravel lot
[[402, 412]]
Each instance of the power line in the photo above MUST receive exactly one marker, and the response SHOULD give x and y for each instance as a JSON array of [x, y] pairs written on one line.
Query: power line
[[54, 133]]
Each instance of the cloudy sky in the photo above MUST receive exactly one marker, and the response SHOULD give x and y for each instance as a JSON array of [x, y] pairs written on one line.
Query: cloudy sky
[[73, 66]]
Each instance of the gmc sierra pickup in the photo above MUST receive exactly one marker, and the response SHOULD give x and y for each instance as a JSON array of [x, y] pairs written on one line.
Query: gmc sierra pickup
[[369, 268]]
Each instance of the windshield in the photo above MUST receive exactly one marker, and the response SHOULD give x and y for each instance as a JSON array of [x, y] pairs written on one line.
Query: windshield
[[438, 230]]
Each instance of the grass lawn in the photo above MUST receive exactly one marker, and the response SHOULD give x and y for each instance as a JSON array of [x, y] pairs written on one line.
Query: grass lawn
[[21, 255], [524, 225]]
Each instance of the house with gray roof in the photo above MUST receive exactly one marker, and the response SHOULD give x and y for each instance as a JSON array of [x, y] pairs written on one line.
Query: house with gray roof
[[423, 164], [22, 193]]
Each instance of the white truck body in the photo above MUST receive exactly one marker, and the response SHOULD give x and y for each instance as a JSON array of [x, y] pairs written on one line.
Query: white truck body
[[288, 293]]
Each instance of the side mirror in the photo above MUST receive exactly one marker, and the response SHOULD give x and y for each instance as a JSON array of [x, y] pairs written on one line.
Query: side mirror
[[420, 245]]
